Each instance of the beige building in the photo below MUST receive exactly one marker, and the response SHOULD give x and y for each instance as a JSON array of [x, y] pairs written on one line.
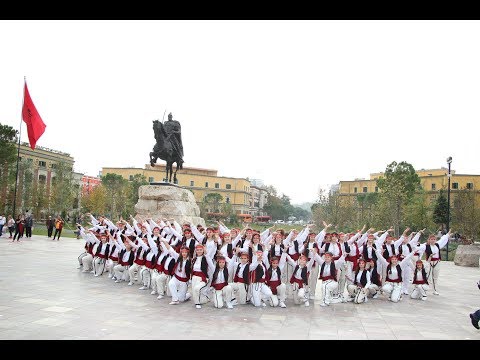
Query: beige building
[[432, 181], [236, 191]]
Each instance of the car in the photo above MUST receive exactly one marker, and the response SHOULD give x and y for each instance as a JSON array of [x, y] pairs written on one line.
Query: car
[[279, 222]]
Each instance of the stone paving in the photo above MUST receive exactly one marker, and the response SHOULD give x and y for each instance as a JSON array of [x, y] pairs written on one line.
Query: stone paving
[[44, 296]]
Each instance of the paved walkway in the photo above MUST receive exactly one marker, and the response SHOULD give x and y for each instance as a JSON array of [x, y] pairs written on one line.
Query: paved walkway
[[44, 296]]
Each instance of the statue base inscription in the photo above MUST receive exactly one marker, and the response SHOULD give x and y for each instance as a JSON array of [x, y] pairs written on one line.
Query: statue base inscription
[[165, 200]]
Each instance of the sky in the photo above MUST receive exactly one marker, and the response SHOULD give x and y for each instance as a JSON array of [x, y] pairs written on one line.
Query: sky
[[301, 105]]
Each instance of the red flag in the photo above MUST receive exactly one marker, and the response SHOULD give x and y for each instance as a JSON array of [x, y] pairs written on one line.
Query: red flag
[[35, 124]]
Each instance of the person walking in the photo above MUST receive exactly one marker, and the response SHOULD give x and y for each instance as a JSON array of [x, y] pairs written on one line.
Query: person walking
[[50, 224], [10, 225], [58, 228], [19, 225]]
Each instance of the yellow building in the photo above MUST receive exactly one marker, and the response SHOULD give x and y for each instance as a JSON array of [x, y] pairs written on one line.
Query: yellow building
[[432, 181], [201, 182]]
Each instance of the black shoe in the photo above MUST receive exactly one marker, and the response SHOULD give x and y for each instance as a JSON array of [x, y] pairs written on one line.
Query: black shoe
[[474, 321]]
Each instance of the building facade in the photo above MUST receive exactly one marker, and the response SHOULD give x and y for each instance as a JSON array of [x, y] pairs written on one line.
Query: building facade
[[234, 191], [432, 181], [89, 183]]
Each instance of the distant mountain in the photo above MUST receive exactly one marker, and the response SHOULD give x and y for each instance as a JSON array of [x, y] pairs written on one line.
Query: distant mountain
[[306, 206]]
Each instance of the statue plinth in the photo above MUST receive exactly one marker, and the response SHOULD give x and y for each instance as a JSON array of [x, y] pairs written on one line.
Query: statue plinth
[[166, 200], [468, 255]]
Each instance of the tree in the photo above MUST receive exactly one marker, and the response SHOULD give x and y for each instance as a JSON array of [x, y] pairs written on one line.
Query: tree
[[95, 202], [398, 185], [418, 214], [211, 203], [440, 212], [466, 214], [335, 209], [116, 194], [8, 156], [63, 189]]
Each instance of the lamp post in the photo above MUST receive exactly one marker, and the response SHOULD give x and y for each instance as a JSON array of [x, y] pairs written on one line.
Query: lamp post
[[449, 162]]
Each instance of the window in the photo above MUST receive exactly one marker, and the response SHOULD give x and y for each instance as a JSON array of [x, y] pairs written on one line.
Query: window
[[206, 183], [354, 189], [364, 189], [42, 178], [42, 163], [217, 186], [469, 186], [376, 188], [54, 166], [227, 200], [192, 183], [150, 179], [455, 186], [130, 178], [228, 186], [433, 187]]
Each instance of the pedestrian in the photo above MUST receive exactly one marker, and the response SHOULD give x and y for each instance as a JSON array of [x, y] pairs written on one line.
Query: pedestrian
[[28, 225], [475, 316], [50, 224], [19, 226], [58, 228], [10, 225], [2, 223]]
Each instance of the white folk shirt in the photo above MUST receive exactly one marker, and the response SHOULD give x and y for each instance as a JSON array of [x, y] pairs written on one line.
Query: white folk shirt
[[240, 272], [277, 249], [298, 273], [126, 256], [420, 276], [198, 264], [274, 276], [393, 274], [220, 278]]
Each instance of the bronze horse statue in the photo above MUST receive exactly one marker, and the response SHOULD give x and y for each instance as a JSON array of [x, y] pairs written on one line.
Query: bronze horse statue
[[166, 148]]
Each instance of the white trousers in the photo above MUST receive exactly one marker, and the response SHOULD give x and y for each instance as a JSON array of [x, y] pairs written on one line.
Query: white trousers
[[312, 280], [281, 295], [222, 296], [419, 291], [349, 274], [155, 275], [178, 289], [199, 290], [110, 264], [146, 276], [80, 257], [372, 289], [328, 287], [300, 294], [393, 289], [433, 270], [133, 272], [162, 280], [260, 291], [87, 262], [121, 272], [342, 280], [288, 274], [240, 292], [98, 265], [357, 293]]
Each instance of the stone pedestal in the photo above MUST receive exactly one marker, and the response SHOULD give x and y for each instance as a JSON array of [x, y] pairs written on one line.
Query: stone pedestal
[[467, 255], [167, 201]]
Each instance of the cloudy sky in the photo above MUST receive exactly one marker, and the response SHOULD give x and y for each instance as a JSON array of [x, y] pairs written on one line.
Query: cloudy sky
[[299, 104]]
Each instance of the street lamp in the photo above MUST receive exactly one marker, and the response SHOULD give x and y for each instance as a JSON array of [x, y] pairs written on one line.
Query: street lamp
[[449, 162]]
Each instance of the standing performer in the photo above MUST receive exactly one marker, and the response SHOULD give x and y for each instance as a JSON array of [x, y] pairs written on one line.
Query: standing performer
[[308, 247], [202, 268], [420, 282], [209, 240], [432, 253], [274, 280], [258, 271], [405, 245]]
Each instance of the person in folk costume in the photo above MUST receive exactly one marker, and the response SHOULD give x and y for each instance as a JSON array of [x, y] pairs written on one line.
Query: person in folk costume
[[420, 282], [241, 279], [222, 291], [113, 256], [375, 279], [405, 245], [209, 240], [202, 269], [254, 246], [146, 271], [352, 256], [292, 244], [178, 284], [275, 246], [126, 257], [141, 250], [235, 238], [358, 291], [368, 245], [394, 270], [87, 261], [432, 256], [342, 279], [97, 224], [388, 250], [101, 255], [299, 277], [227, 247], [307, 250], [274, 279], [167, 266], [328, 273], [189, 241], [160, 255], [258, 276], [87, 236]]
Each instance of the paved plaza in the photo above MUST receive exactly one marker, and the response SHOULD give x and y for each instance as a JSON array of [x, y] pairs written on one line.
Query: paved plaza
[[44, 296]]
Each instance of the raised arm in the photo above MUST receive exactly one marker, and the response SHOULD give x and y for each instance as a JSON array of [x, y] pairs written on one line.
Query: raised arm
[[381, 258], [415, 239], [355, 237], [444, 239], [198, 235]]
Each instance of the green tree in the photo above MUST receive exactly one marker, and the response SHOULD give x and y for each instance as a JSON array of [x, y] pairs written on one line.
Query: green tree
[[62, 191], [335, 209], [466, 214], [440, 212], [95, 202], [8, 157], [210, 203], [418, 214], [398, 185], [116, 194]]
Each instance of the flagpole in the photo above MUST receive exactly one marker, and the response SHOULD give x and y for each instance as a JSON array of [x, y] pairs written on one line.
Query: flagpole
[[18, 150]]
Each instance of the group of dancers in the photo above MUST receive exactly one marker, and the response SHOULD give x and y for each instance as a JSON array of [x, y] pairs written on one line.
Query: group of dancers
[[238, 266]]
